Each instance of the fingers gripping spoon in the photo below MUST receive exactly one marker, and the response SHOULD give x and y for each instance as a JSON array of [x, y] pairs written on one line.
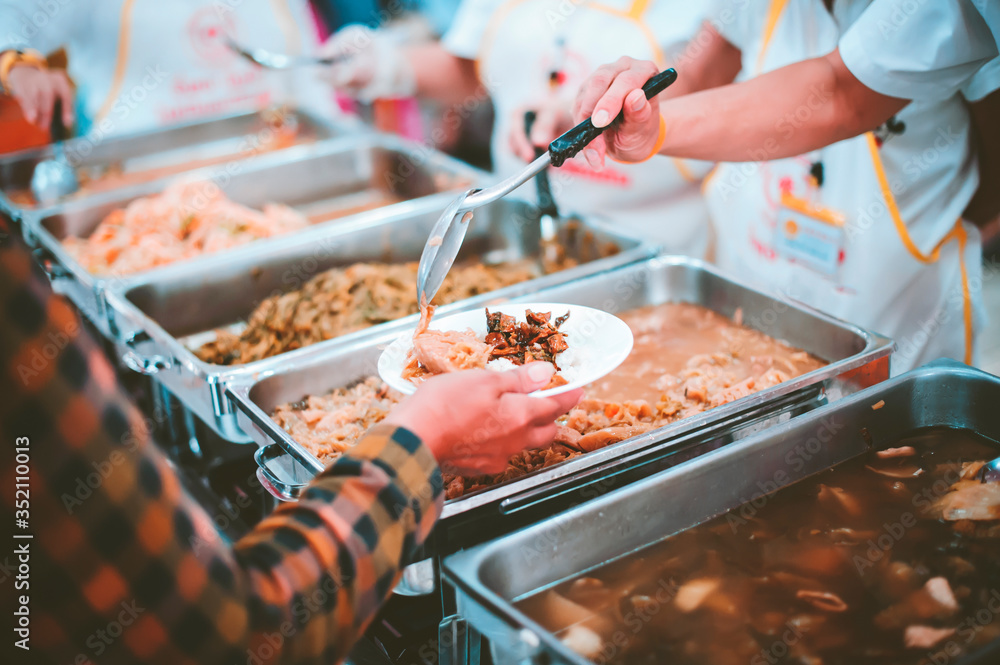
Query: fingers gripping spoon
[[448, 233]]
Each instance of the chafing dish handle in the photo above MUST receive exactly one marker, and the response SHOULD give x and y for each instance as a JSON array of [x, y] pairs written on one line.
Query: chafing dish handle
[[267, 481], [52, 267], [574, 483], [139, 363], [277, 488]]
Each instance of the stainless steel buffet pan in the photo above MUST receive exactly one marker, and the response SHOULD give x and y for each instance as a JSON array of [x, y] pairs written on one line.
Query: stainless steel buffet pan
[[487, 578], [159, 312], [327, 181], [856, 359], [155, 154]]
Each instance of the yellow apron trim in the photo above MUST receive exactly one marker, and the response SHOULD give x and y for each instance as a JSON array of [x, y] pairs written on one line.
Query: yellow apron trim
[[121, 60], [634, 14], [683, 170], [773, 14], [966, 295], [490, 34], [897, 219], [827, 215], [637, 9], [957, 232], [707, 182], [288, 26]]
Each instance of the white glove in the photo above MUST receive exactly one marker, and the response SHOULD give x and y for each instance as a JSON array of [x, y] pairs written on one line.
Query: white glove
[[374, 64]]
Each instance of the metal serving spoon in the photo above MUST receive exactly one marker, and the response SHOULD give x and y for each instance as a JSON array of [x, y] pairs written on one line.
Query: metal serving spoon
[[270, 60], [446, 237], [54, 179], [547, 207], [548, 211], [990, 473]]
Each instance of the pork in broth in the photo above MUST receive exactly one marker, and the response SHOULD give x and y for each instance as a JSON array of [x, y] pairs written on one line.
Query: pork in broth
[[890, 558]]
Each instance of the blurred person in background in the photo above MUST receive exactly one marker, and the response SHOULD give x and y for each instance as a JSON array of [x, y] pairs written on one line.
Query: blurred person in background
[[137, 65], [125, 566], [533, 55], [849, 157]]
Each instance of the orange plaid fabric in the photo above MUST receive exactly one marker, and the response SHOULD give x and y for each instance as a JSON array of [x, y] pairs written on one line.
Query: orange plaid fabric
[[126, 568]]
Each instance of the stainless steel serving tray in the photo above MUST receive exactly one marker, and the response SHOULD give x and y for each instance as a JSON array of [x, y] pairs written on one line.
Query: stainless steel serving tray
[[155, 313], [486, 578], [156, 154], [323, 181], [856, 358]]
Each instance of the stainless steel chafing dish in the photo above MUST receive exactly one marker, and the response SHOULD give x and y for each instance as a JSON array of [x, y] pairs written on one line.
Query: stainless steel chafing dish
[[487, 578], [157, 315], [156, 154], [323, 181], [856, 358]]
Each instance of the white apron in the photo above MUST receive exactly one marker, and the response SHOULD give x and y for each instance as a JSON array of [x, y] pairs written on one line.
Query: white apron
[[528, 39], [142, 64], [879, 242]]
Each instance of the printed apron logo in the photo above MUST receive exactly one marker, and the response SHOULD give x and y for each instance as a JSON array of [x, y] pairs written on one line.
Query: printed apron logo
[[208, 29]]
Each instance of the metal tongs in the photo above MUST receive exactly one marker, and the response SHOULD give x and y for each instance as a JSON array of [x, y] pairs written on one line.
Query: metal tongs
[[446, 237]]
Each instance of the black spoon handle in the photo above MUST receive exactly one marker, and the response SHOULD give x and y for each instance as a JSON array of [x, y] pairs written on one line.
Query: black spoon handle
[[546, 202], [58, 128], [576, 139]]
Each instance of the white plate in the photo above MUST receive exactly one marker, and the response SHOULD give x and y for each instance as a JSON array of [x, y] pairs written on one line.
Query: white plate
[[598, 343]]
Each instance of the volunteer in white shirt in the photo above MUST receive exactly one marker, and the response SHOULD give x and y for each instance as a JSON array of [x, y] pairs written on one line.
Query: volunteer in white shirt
[[533, 55], [141, 64], [849, 161]]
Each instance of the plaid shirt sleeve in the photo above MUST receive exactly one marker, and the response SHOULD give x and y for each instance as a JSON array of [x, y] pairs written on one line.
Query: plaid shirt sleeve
[[126, 568]]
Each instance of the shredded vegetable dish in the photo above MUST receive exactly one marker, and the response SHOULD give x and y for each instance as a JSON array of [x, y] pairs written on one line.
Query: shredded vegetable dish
[[345, 300], [189, 219]]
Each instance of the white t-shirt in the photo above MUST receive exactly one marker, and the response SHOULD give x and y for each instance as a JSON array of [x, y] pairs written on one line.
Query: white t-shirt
[[983, 82], [518, 44], [674, 22], [907, 267], [924, 51]]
